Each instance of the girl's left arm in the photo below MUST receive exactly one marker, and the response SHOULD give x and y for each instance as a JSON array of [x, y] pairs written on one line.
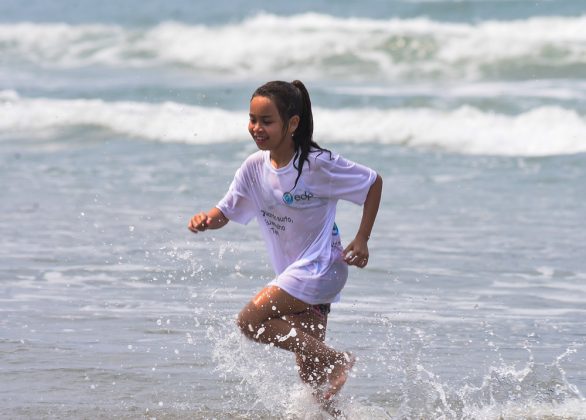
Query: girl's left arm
[[356, 253]]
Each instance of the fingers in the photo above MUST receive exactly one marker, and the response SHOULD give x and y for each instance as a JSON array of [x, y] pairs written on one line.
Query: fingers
[[356, 253], [357, 259], [362, 263], [199, 222]]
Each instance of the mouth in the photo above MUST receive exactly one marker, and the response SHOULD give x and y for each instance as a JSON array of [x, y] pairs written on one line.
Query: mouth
[[260, 139]]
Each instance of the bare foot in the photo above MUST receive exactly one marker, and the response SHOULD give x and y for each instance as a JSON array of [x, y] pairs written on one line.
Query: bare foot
[[337, 378], [329, 406]]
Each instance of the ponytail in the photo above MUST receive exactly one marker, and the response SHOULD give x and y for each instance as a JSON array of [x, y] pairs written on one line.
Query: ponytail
[[293, 99], [304, 132]]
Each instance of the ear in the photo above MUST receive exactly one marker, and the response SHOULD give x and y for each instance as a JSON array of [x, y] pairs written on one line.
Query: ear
[[293, 123]]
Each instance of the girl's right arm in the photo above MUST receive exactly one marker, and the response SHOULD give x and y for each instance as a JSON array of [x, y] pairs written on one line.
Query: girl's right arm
[[213, 219]]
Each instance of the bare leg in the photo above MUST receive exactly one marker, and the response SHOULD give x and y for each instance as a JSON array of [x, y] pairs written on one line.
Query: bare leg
[[262, 320], [313, 323]]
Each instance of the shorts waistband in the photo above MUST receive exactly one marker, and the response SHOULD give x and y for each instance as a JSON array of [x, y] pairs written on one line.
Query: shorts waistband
[[321, 309]]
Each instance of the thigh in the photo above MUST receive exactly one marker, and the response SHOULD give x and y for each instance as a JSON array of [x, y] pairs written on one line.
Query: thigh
[[270, 303], [311, 321]]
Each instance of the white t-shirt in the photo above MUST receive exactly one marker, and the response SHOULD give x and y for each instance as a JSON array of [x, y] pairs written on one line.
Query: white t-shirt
[[298, 224]]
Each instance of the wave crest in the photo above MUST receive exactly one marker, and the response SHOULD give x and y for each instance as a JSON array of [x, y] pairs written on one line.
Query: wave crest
[[542, 131], [315, 45]]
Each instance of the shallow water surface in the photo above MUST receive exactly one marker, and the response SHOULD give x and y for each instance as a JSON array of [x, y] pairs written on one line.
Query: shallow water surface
[[119, 123]]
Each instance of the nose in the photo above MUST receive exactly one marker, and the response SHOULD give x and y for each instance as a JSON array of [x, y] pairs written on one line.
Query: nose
[[255, 127]]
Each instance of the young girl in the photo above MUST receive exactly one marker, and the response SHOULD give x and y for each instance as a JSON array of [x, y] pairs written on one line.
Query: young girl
[[291, 185]]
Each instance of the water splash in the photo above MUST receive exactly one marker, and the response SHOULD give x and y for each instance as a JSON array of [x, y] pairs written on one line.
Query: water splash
[[265, 380], [535, 390]]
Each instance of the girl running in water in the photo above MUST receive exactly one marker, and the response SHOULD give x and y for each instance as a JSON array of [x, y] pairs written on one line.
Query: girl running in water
[[291, 186]]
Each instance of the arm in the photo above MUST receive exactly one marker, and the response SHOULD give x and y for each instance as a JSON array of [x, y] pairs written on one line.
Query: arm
[[356, 253], [213, 219]]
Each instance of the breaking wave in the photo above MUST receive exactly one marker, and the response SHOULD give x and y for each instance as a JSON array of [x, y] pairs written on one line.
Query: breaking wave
[[314, 45], [543, 131]]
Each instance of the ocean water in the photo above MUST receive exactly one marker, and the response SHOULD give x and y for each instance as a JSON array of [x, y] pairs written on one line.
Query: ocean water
[[119, 120]]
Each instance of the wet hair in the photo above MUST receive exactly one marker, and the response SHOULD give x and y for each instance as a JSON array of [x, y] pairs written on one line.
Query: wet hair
[[293, 99]]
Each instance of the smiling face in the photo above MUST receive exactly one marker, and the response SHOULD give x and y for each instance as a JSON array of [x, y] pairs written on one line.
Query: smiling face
[[267, 128]]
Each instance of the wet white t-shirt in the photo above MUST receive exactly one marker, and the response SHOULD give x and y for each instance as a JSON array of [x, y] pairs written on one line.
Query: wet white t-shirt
[[298, 224]]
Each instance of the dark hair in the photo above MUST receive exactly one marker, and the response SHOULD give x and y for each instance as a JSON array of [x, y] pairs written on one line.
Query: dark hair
[[293, 99]]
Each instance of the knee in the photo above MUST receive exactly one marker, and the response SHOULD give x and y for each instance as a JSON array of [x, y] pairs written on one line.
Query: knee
[[246, 324]]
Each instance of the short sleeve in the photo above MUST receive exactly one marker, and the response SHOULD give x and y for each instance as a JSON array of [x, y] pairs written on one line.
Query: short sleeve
[[236, 204], [346, 180]]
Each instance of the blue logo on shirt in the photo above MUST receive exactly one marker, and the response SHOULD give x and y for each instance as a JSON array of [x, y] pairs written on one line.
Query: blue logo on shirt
[[288, 198], [335, 230]]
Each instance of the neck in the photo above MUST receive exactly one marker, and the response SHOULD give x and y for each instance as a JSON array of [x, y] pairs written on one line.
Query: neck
[[280, 157], [281, 160]]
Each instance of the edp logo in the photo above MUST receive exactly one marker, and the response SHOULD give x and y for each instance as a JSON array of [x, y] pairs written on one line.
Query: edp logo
[[288, 198]]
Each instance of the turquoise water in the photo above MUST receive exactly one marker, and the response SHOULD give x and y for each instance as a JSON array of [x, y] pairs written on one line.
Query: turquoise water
[[119, 121]]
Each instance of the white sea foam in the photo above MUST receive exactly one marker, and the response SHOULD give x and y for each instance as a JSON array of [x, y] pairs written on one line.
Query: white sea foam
[[543, 131], [310, 44], [562, 90], [167, 121]]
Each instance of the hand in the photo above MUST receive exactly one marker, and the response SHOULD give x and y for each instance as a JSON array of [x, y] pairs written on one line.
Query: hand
[[356, 253], [199, 222]]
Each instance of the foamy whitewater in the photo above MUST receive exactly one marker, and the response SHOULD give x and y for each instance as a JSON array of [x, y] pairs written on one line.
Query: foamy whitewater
[[118, 121]]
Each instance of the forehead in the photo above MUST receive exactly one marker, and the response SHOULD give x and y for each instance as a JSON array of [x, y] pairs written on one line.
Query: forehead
[[261, 105]]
